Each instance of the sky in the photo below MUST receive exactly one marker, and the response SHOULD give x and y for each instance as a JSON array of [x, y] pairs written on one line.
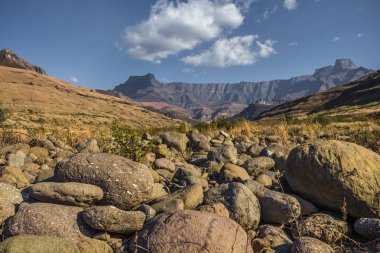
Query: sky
[[100, 43]]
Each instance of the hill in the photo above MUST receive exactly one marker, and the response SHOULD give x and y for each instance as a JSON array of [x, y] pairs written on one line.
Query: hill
[[360, 97], [37, 100], [206, 101], [9, 59]]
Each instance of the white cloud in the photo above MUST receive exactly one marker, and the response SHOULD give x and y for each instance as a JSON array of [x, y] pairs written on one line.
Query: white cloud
[[336, 39], [360, 35], [74, 79], [290, 4], [232, 51], [294, 44], [176, 26]]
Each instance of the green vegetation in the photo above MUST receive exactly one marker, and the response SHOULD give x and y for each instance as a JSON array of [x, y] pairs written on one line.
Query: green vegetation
[[125, 141], [4, 115]]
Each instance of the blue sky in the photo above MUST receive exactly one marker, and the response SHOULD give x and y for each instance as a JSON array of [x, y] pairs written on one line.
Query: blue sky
[[99, 43]]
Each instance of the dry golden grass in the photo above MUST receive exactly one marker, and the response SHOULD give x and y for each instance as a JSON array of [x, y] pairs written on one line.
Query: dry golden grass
[[37, 101]]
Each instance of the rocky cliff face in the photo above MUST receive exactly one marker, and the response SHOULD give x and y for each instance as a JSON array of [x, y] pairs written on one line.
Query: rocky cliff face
[[210, 98], [9, 59]]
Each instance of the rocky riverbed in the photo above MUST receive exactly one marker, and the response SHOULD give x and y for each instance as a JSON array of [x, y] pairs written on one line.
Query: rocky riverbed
[[194, 193]]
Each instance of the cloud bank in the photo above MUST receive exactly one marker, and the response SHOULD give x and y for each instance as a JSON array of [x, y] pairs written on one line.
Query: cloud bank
[[290, 4]]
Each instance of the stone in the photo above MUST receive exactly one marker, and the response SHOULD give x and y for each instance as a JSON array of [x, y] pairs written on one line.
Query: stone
[[306, 206], [168, 205], [368, 228], [175, 140], [113, 219], [273, 139], [164, 163], [91, 147], [255, 150], [242, 204], [258, 165], [41, 153], [25, 148], [306, 244], [16, 159], [155, 175], [89, 245], [9, 197], [264, 180], [332, 173], [187, 174], [327, 228], [161, 150], [148, 211], [192, 196], [276, 207], [217, 208], [231, 172], [278, 240], [125, 183], [71, 193], [38, 244], [15, 176], [191, 231], [158, 191], [223, 154], [45, 219]]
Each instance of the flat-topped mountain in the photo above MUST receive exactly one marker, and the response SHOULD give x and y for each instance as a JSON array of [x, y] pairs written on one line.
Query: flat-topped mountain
[[206, 101], [9, 59]]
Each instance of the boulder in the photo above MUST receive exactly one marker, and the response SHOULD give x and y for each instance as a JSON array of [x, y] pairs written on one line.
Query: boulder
[[125, 183], [306, 206], [191, 231], [113, 219], [231, 172], [192, 196], [217, 208], [333, 173], [46, 219], [38, 244], [369, 228], [327, 228], [264, 180], [9, 197], [168, 205], [187, 174], [16, 159], [71, 193], [223, 154], [164, 163], [241, 203], [14, 176], [310, 245], [275, 238], [89, 245], [175, 140], [258, 165], [41, 153], [276, 207]]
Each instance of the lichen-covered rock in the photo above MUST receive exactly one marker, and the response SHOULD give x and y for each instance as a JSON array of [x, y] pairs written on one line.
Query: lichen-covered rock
[[38, 244], [330, 173], [258, 165], [241, 203], [231, 172], [191, 231], [46, 219], [71, 193], [113, 219], [9, 197], [125, 183], [324, 227], [223, 154]]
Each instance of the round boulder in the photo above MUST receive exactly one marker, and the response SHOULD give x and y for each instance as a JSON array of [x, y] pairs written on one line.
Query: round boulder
[[125, 183], [334, 173], [191, 231], [37, 244], [46, 219], [368, 228], [310, 245]]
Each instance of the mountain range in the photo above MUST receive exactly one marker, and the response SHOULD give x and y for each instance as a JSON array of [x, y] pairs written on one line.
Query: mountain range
[[204, 101]]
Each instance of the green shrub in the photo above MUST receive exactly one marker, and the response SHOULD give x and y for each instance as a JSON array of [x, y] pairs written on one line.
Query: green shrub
[[4, 114], [125, 141]]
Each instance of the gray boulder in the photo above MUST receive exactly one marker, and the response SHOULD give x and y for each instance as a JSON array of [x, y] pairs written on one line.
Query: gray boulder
[[310, 245], [368, 228], [175, 140], [125, 183]]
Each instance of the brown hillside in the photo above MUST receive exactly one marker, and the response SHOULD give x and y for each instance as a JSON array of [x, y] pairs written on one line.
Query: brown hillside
[[38, 100], [360, 97]]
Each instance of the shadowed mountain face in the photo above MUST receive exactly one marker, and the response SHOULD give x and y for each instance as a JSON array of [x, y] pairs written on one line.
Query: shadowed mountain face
[[206, 101], [9, 59], [360, 97]]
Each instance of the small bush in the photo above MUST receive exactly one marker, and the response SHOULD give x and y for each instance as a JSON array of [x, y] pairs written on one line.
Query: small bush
[[4, 114], [125, 141]]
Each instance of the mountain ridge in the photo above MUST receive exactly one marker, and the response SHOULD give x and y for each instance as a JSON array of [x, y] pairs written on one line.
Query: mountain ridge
[[205, 100]]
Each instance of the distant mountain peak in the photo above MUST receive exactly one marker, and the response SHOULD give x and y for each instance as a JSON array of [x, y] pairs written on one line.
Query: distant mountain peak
[[9, 58], [344, 64]]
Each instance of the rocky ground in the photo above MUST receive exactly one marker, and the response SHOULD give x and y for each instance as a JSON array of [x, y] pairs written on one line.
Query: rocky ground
[[194, 193]]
